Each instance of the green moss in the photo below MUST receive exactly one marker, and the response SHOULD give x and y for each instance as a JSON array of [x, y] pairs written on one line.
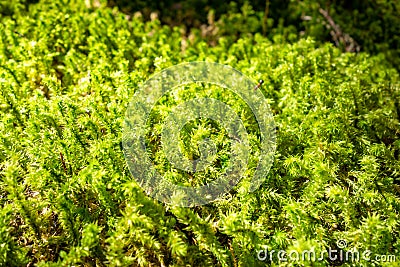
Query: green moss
[[67, 198]]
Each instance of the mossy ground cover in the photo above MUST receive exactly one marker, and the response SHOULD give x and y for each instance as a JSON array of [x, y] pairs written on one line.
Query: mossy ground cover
[[67, 74]]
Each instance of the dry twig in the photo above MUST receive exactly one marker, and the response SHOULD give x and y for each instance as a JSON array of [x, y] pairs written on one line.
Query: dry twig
[[338, 36]]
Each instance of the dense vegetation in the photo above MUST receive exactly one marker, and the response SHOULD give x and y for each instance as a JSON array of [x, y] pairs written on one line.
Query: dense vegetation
[[366, 25], [68, 70]]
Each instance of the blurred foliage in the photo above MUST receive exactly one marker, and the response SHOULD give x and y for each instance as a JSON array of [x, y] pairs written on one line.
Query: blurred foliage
[[68, 70], [374, 25]]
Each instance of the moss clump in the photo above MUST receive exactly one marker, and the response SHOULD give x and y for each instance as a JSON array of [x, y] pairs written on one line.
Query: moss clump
[[67, 75]]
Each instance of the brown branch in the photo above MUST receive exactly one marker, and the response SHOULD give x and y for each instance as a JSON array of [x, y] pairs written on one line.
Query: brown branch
[[63, 162], [338, 36], [265, 18], [233, 254]]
